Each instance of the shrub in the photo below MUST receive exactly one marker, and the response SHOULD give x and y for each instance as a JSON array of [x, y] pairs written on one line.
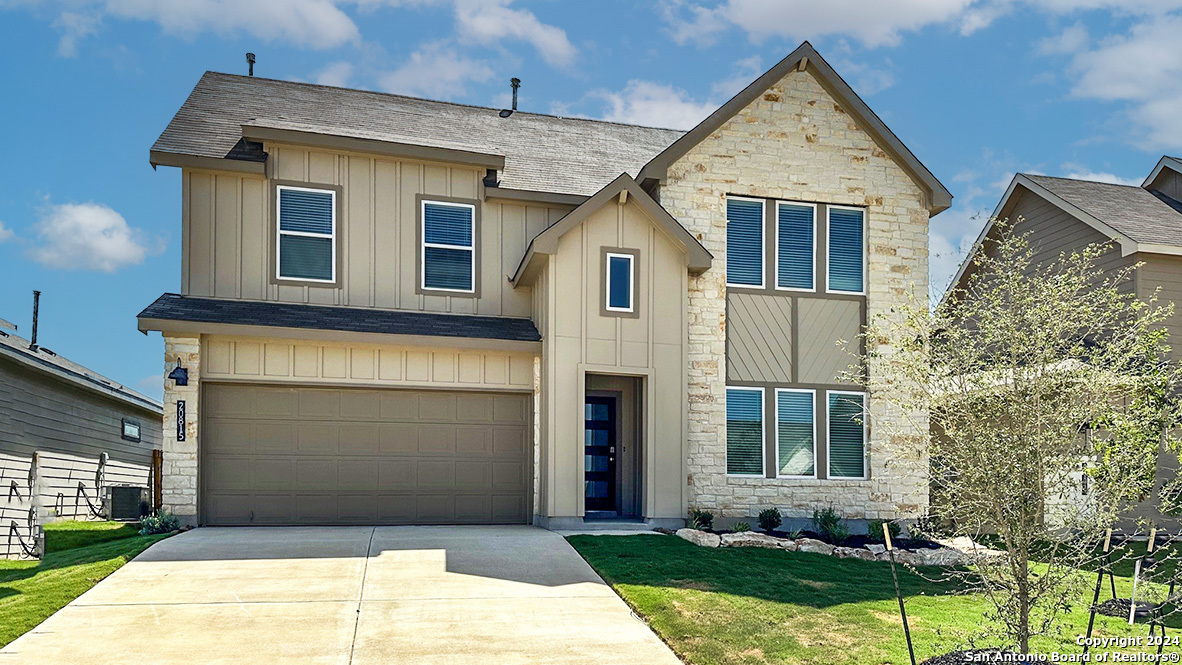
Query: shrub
[[161, 522], [874, 529], [742, 526], [830, 523], [770, 519], [701, 519]]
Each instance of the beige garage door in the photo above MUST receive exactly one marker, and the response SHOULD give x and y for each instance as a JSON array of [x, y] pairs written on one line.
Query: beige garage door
[[280, 455]]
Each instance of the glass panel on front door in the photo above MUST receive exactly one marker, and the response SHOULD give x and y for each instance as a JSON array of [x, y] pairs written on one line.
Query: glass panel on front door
[[599, 454]]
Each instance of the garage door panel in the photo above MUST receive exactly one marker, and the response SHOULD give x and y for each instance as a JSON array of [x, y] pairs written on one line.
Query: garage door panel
[[295, 455]]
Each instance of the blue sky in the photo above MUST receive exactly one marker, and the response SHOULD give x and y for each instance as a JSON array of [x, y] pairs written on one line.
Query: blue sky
[[978, 89]]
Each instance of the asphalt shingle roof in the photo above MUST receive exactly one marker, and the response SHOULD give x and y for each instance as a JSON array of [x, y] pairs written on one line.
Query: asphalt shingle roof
[[173, 307], [46, 361], [542, 152], [1137, 214]]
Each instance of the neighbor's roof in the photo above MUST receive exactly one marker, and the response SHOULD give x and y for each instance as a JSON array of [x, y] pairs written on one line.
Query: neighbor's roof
[[47, 362], [542, 152], [173, 307], [1134, 213]]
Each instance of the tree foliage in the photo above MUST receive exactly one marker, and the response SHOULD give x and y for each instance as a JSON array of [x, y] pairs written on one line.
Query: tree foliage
[[1033, 376]]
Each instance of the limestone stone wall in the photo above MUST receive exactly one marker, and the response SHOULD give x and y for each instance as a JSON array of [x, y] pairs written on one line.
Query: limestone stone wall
[[796, 143], [179, 482]]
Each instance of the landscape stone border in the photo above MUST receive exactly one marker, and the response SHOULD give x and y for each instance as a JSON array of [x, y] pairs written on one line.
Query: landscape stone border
[[954, 552]]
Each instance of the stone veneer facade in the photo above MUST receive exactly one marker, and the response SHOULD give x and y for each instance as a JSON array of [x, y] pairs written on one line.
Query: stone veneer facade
[[179, 484], [796, 143]]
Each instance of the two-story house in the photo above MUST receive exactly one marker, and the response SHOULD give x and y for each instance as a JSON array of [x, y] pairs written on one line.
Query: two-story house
[[1142, 225], [402, 311]]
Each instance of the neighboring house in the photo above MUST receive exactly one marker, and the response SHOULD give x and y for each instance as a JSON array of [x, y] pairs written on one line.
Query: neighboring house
[[396, 310], [57, 422], [1142, 224]]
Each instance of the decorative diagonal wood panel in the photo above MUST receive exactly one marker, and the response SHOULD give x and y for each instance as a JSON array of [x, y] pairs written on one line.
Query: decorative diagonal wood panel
[[822, 324], [759, 338]]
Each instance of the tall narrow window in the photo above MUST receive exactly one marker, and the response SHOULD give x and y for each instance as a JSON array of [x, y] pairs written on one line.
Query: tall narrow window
[[795, 245], [847, 435], [744, 431], [307, 234], [449, 251], [620, 269], [847, 251], [795, 433], [744, 242]]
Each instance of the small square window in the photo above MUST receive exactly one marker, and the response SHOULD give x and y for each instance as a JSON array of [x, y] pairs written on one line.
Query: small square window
[[131, 430], [620, 276]]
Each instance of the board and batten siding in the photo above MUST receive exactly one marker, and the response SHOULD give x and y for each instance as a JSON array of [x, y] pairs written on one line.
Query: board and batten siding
[[580, 339], [228, 240], [68, 428]]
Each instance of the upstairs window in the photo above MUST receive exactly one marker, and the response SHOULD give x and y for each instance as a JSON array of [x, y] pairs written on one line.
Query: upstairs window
[[847, 434], [449, 250], [744, 431], [620, 280], [847, 250], [796, 245], [744, 242], [307, 234]]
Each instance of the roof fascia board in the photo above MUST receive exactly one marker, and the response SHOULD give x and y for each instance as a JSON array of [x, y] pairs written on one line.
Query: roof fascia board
[[1148, 248], [531, 196], [256, 132], [1166, 162], [173, 326], [81, 381], [161, 158], [698, 259], [939, 198]]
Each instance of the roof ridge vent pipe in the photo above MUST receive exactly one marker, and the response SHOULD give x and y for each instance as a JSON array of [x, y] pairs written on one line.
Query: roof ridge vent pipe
[[36, 306], [514, 83], [250, 64]]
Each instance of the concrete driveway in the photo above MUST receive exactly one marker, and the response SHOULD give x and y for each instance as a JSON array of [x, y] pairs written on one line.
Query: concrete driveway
[[348, 595]]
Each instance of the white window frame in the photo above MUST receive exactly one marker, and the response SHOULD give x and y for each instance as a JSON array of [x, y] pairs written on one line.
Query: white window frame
[[607, 294], [814, 250], [813, 394], [762, 434], [865, 248], [423, 245], [762, 243], [279, 233], [865, 434]]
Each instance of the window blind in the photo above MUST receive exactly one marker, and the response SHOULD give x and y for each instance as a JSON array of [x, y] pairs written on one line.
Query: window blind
[[794, 436], [744, 242], [306, 231], [744, 431], [794, 248], [448, 249], [846, 250], [847, 435]]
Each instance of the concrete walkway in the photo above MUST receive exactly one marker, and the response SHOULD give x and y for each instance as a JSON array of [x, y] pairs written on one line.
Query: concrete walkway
[[348, 595]]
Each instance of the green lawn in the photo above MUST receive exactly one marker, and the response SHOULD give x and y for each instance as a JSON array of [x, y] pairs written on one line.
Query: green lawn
[[747, 605], [30, 591]]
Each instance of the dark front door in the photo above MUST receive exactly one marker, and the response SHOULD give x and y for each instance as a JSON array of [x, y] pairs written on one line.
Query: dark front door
[[599, 454]]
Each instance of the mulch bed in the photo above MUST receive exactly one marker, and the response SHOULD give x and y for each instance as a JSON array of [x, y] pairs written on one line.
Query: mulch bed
[[1119, 607], [969, 656]]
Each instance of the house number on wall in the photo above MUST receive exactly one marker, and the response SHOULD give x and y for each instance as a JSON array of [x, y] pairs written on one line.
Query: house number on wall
[[180, 420]]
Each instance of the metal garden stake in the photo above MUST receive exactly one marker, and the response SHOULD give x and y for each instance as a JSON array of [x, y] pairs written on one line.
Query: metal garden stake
[[886, 533], [1099, 584]]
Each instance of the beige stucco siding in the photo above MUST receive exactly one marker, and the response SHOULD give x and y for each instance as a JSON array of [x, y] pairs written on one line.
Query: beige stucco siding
[[228, 243], [579, 338], [795, 143]]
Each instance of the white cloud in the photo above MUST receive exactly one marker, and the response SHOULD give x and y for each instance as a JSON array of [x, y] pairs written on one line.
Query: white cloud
[[436, 71], [1071, 40], [6, 233], [1103, 176], [152, 386], [335, 74], [74, 26], [88, 236], [1141, 68], [865, 79], [490, 21], [746, 71], [654, 105]]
